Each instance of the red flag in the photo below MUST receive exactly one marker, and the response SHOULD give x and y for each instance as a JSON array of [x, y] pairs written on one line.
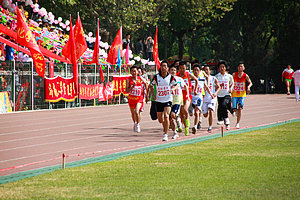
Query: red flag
[[25, 38], [117, 44], [96, 52], [80, 42], [155, 51], [69, 51]]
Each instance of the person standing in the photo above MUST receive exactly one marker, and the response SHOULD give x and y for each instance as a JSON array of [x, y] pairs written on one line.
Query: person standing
[[149, 48], [165, 85], [224, 95], [239, 91], [187, 97], [135, 87], [287, 75], [126, 41], [296, 77], [210, 100]]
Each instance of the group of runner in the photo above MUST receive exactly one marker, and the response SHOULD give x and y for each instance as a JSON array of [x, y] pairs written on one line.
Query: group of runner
[[177, 94]]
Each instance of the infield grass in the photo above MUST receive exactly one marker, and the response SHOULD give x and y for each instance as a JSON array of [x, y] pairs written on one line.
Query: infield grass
[[262, 164]]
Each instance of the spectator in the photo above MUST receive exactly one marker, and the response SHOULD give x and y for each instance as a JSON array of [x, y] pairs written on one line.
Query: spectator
[[139, 47], [9, 51], [149, 48], [126, 41]]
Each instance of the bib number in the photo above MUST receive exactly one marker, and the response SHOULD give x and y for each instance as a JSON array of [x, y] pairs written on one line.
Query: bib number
[[163, 91], [136, 91], [239, 87]]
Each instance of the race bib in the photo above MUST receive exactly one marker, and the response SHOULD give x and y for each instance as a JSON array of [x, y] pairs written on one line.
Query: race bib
[[163, 91], [224, 85], [239, 87], [176, 92], [136, 91]]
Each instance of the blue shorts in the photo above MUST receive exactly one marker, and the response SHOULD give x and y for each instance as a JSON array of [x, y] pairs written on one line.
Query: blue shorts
[[238, 100], [175, 109]]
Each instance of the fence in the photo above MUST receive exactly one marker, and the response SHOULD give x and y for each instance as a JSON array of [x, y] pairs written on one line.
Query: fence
[[26, 88]]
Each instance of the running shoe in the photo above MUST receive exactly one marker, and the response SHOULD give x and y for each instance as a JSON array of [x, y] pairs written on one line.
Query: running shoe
[[134, 127], [199, 125], [138, 128], [209, 129], [219, 122], [179, 129], [233, 114], [186, 131], [228, 127], [237, 125], [227, 122], [175, 136], [194, 130], [165, 137]]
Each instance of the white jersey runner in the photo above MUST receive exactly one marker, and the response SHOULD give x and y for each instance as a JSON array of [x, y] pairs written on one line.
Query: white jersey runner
[[212, 87], [224, 81]]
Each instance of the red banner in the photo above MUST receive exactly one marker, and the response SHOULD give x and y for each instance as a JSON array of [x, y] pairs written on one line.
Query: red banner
[[59, 88], [89, 92], [108, 91], [119, 83]]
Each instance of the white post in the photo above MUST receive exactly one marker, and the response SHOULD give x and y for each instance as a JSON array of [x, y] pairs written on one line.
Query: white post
[[79, 83], [95, 81], [14, 84], [66, 76]]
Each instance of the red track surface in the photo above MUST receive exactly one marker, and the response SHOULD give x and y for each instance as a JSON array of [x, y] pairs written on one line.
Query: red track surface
[[31, 140]]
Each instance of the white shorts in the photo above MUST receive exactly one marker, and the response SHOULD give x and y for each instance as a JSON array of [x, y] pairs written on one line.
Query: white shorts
[[207, 105], [196, 102]]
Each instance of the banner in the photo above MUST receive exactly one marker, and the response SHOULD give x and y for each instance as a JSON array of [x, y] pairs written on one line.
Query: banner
[[5, 105], [119, 83], [59, 88], [108, 91], [89, 92]]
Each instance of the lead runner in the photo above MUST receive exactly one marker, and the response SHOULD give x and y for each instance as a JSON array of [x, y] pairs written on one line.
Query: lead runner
[[165, 85]]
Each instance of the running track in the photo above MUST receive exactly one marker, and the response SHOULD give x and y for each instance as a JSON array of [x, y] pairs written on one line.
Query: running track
[[31, 140]]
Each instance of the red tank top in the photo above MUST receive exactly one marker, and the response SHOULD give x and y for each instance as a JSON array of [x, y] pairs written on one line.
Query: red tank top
[[239, 89], [137, 92]]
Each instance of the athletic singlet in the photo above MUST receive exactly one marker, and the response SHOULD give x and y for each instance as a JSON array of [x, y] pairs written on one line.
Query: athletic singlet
[[239, 85], [224, 81], [210, 81], [200, 88], [177, 95], [186, 79], [137, 93], [287, 73], [163, 87]]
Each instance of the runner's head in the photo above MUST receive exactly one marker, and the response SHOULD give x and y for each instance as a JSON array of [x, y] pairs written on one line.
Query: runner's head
[[182, 67], [176, 63], [222, 66], [288, 66], [139, 71], [207, 69], [172, 70], [133, 71], [241, 67], [196, 69], [164, 66]]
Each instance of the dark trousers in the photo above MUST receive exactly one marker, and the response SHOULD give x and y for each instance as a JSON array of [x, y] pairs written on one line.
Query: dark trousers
[[153, 112], [224, 104]]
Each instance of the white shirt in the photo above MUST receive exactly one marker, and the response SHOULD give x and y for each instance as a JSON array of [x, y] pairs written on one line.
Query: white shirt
[[296, 77], [212, 87], [177, 95], [163, 87], [224, 81], [200, 88]]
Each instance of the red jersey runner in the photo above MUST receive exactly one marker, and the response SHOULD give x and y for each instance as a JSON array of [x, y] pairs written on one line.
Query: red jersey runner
[[136, 95]]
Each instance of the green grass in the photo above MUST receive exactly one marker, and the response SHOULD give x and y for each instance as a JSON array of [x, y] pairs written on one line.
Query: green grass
[[262, 164]]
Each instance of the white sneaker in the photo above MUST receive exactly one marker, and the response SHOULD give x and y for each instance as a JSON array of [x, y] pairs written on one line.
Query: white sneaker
[[227, 122], [237, 125], [138, 128], [175, 136], [228, 127], [220, 122], [233, 114], [165, 137]]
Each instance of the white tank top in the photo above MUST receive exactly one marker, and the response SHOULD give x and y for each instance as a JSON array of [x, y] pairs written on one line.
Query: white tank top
[[163, 87], [211, 85]]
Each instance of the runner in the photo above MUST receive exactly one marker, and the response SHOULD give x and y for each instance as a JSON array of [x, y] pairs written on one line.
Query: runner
[[197, 99], [165, 85], [186, 76], [134, 86], [296, 77], [287, 75], [177, 101], [224, 96], [239, 91], [210, 100]]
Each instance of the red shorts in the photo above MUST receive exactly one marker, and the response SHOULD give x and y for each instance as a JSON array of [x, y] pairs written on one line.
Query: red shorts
[[132, 101]]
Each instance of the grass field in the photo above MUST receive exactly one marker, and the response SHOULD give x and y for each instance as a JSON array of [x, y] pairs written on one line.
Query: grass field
[[263, 164]]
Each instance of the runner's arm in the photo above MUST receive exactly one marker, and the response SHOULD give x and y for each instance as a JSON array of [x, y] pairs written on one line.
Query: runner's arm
[[208, 90], [128, 88], [196, 82], [217, 87], [250, 84], [231, 84]]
